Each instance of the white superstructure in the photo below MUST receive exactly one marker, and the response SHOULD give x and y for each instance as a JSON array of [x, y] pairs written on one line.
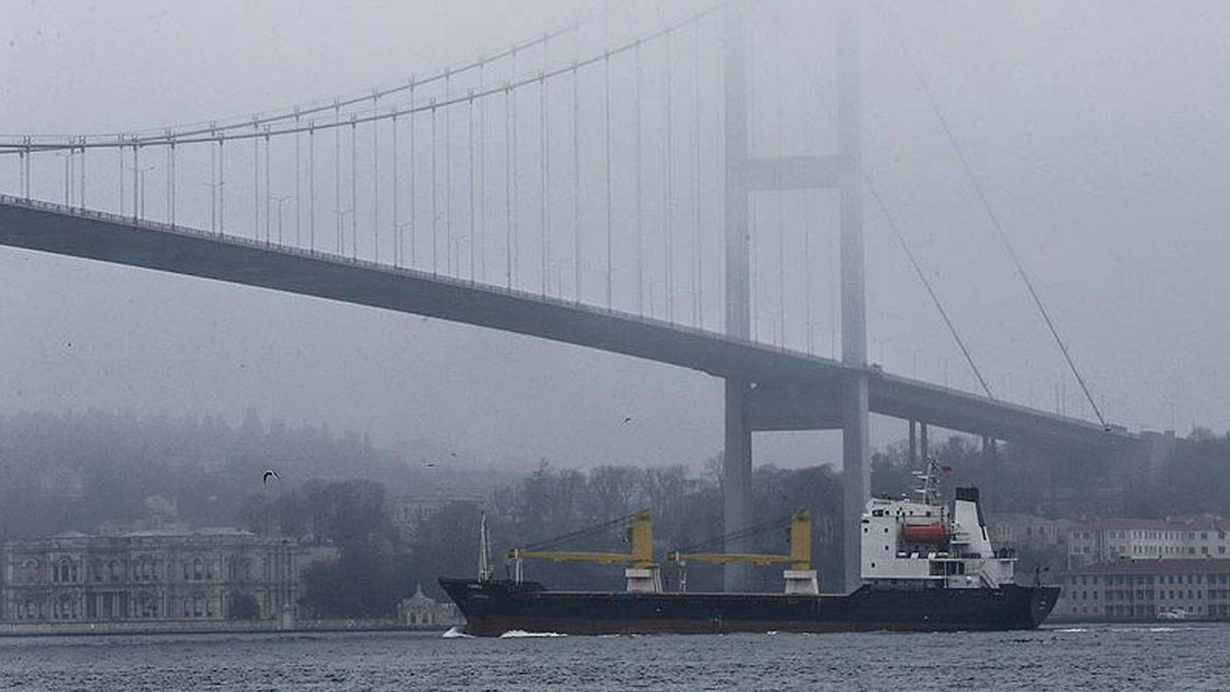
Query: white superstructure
[[917, 544]]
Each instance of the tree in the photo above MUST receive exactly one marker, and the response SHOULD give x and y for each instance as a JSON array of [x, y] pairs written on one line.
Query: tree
[[369, 577], [445, 544]]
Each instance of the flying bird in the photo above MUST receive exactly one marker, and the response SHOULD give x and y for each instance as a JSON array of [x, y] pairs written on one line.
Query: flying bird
[[627, 420], [269, 473]]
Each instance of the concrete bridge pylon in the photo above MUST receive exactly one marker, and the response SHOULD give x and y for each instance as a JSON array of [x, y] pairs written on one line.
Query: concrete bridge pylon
[[744, 175]]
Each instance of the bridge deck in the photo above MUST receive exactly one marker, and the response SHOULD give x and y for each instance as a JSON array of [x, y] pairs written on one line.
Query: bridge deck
[[94, 235]]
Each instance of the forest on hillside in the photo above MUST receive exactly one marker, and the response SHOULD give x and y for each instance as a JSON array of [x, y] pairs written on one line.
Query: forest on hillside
[[84, 471], [1078, 484], [379, 565], [79, 471]]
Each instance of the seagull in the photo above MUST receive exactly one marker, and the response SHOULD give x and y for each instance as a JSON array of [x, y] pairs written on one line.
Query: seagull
[[627, 420], [269, 473], [430, 464]]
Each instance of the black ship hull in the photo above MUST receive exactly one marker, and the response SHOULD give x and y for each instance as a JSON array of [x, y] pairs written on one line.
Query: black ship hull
[[492, 608]]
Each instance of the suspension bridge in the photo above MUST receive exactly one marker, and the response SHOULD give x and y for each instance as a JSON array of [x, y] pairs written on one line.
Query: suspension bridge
[[627, 197]]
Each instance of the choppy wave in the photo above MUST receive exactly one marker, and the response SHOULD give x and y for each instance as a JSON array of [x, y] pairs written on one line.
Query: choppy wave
[[456, 633], [522, 634], [1101, 659]]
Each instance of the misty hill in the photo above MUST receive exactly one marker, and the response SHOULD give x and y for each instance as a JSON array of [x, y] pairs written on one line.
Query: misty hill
[[1071, 484], [76, 470]]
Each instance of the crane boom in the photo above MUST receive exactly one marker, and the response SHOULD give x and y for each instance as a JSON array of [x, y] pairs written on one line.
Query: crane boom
[[569, 556], [727, 558], [799, 557], [641, 572], [800, 577]]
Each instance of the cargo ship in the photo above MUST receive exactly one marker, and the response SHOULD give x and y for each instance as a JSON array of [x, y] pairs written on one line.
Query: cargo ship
[[926, 566]]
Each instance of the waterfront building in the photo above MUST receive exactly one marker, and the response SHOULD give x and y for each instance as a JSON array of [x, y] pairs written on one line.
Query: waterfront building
[[1097, 541], [1021, 530], [1181, 589], [1107, 540], [160, 574]]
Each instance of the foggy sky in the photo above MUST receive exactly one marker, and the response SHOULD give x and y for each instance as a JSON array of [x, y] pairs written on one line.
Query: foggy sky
[[1098, 131]]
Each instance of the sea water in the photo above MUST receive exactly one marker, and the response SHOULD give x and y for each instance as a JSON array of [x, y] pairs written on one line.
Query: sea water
[[1080, 657]]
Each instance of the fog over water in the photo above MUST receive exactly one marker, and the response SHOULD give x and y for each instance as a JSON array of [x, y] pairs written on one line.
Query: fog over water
[[1097, 130]]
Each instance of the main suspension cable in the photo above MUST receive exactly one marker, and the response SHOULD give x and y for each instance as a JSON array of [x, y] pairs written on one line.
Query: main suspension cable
[[994, 218]]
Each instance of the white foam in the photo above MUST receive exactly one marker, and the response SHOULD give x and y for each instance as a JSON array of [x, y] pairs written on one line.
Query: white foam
[[457, 633], [1073, 629], [522, 634]]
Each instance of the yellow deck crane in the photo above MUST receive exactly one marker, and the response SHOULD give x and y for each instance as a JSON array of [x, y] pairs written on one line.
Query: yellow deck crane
[[641, 572], [800, 577]]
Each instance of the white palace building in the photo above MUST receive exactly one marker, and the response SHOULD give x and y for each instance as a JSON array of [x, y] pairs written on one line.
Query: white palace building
[[170, 574]]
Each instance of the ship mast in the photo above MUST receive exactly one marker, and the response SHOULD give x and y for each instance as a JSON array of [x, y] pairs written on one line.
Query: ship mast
[[930, 479], [484, 549]]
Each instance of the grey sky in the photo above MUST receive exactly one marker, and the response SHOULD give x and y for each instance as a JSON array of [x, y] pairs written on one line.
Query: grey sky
[[1097, 130]]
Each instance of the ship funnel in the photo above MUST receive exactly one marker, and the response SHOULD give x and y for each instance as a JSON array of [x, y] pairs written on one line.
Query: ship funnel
[[972, 527], [971, 495]]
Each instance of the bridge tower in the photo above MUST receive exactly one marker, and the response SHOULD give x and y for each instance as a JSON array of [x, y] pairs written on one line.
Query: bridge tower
[[744, 175], [856, 466], [737, 458], [855, 454]]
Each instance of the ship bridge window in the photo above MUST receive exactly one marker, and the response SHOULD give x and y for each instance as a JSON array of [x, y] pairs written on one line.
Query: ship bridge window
[[877, 512]]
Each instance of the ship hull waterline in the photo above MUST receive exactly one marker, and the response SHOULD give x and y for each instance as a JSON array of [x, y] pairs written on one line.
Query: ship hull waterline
[[493, 608]]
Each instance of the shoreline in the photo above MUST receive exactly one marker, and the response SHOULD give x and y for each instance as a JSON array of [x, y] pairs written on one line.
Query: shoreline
[[87, 629]]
